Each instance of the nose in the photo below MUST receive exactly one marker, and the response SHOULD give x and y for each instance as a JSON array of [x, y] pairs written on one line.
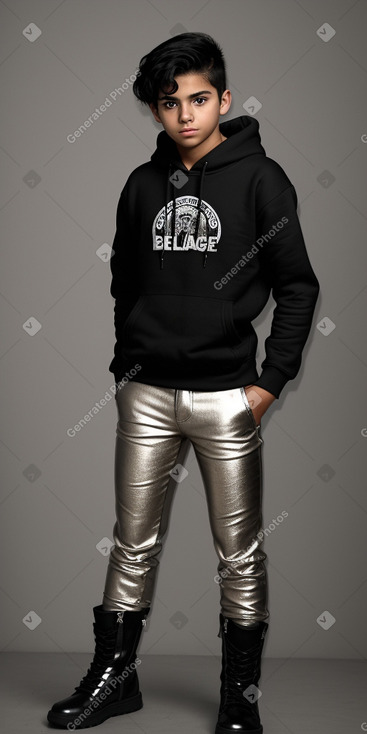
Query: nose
[[186, 113]]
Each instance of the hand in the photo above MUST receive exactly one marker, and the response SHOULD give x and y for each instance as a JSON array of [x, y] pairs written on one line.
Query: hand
[[259, 400]]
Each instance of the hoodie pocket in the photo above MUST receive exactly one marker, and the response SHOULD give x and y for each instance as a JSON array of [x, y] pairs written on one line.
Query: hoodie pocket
[[183, 331]]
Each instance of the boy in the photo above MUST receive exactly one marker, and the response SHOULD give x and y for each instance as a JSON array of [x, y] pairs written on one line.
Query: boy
[[205, 231]]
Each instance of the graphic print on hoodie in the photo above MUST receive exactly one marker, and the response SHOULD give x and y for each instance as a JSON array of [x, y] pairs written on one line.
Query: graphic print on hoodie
[[197, 254]]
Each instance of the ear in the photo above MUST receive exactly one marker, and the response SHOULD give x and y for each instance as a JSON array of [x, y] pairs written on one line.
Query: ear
[[226, 102], [154, 112]]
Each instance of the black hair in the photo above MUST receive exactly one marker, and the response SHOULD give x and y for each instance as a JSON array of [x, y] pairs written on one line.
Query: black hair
[[184, 53]]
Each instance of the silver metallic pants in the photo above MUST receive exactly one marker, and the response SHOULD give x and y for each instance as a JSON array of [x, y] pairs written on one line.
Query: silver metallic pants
[[156, 426]]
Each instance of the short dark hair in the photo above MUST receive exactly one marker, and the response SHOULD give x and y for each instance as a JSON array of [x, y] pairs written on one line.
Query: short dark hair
[[184, 53]]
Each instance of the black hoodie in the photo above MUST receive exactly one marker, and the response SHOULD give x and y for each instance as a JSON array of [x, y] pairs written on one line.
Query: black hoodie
[[195, 257]]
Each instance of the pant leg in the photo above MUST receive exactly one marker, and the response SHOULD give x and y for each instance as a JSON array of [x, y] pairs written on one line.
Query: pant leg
[[148, 446], [228, 445]]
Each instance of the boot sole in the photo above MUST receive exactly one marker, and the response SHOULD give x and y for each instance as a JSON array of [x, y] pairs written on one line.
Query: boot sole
[[119, 707], [222, 730]]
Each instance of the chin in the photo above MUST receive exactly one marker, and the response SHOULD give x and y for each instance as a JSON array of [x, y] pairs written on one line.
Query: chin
[[189, 142]]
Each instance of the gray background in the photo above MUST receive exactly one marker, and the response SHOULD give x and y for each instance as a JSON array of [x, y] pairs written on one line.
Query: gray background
[[57, 492]]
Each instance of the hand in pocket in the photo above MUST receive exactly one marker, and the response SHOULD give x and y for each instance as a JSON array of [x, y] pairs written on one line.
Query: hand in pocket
[[259, 401]]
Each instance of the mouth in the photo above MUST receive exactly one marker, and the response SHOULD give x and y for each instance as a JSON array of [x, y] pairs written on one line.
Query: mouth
[[187, 130]]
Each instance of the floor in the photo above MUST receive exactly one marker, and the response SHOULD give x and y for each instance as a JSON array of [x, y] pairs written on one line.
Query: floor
[[181, 694]]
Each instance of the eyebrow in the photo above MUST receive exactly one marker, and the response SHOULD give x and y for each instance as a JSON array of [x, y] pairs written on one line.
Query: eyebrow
[[191, 96]]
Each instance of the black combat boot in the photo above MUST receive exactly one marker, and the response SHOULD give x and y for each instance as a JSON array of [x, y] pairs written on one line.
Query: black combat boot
[[241, 670], [111, 685]]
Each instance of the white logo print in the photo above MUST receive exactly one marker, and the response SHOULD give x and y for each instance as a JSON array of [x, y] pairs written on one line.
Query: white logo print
[[183, 231]]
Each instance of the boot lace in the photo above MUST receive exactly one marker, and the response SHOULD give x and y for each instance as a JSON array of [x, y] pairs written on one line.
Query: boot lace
[[241, 670], [103, 657]]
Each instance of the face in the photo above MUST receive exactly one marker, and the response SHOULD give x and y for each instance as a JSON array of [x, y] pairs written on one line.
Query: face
[[194, 105]]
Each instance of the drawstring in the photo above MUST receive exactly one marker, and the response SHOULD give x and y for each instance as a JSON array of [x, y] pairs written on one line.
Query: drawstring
[[199, 212], [173, 218], [161, 254]]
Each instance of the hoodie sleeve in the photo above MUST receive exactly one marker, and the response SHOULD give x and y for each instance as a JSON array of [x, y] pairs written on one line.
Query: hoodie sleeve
[[123, 268], [294, 285]]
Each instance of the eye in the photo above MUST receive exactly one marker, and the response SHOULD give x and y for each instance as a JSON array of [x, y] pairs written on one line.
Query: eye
[[202, 98], [170, 101]]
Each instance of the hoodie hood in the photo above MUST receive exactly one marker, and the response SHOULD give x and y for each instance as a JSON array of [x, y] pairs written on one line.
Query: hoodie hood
[[243, 140]]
